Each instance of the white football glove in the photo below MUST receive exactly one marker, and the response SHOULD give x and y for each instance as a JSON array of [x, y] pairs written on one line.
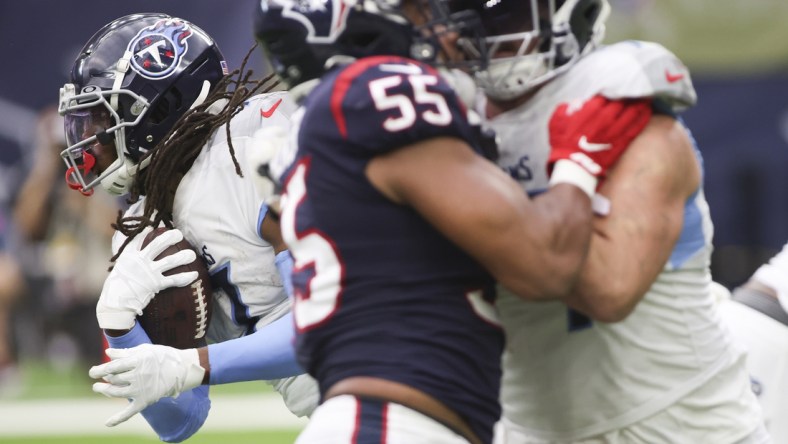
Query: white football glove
[[137, 277], [144, 374]]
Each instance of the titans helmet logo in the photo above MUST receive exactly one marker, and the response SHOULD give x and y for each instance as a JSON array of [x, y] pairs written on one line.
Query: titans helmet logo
[[158, 49]]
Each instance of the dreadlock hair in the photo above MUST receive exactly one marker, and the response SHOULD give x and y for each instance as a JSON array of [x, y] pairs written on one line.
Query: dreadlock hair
[[174, 155]]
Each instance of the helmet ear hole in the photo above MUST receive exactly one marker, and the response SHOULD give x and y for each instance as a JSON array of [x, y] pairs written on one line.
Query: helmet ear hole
[[160, 112], [168, 105], [177, 98]]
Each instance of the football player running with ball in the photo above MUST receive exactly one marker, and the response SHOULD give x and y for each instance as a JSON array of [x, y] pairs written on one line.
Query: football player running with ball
[[636, 353], [149, 113]]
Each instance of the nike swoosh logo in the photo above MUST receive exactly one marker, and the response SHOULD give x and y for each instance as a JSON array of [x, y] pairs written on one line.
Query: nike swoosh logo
[[673, 78], [585, 145], [270, 112]]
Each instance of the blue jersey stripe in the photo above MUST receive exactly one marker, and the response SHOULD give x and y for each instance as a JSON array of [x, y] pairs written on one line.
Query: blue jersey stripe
[[692, 238]]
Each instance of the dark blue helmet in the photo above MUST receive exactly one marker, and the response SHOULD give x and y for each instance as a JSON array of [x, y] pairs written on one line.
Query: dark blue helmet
[[129, 85], [303, 38]]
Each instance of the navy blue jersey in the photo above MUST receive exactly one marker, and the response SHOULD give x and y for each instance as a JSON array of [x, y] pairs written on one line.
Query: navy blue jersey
[[379, 291]]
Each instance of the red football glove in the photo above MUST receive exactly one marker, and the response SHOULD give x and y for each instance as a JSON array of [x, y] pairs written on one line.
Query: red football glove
[[592, 135]]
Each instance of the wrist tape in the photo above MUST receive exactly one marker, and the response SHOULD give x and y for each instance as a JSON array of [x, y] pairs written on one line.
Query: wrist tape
[[567, 171]]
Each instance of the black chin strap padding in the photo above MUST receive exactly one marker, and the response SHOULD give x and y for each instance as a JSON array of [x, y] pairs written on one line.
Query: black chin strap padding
[[105, 138]]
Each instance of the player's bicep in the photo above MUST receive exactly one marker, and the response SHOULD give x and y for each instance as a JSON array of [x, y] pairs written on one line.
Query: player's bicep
[[464, 196], [648, 190]]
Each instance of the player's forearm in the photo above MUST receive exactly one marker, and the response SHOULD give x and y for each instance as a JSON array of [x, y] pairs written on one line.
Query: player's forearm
[[132, 338], [560, 249], [621, 266], [266, 354]]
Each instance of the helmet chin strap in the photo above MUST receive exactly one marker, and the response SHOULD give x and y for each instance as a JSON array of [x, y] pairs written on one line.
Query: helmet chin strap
[[206, 88], [119, 181]]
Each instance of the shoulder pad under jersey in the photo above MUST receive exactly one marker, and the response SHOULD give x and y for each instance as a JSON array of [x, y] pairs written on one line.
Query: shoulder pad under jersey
[[274, 108], [632, 69]]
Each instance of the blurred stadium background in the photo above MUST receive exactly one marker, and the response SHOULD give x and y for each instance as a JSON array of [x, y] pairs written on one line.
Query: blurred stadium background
[[737, 52]]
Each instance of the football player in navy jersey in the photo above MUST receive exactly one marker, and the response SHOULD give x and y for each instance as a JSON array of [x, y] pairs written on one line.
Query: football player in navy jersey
[[399, 227]]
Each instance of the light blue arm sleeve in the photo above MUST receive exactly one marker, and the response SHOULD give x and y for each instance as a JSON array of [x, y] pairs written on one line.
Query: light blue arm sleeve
[[283, 260], [284, 263], [174, 420], [268, 353], [134, 337]]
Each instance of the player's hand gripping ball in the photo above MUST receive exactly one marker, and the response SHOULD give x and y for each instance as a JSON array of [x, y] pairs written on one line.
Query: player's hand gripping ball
[[179, 316]]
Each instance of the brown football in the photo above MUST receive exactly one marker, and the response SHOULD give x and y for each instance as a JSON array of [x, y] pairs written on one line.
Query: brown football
[[179, 316]]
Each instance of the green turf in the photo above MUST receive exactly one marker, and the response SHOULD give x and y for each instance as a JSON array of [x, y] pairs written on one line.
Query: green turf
[[42, 381], [261, 437]]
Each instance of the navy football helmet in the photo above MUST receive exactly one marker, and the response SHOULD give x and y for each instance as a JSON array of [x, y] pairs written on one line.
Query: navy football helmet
[[528, 42], [129, 85], [304, 38]]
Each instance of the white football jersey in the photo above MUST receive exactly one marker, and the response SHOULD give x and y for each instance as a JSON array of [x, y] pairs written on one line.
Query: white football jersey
[[566, 377], [219, 213]]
